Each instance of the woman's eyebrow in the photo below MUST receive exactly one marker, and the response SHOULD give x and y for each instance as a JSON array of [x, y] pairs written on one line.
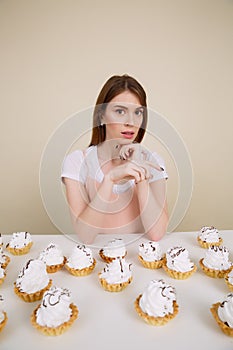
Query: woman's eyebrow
[[120, 106], [125, 107]]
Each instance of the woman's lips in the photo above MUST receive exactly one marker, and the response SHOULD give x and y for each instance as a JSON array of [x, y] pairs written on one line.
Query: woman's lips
[[128, 134]]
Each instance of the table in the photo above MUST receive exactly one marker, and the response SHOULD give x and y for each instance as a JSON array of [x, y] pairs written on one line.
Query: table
[[108, 320]]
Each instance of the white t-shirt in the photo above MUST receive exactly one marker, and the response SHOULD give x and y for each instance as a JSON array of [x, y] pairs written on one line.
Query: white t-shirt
[[79, 165]]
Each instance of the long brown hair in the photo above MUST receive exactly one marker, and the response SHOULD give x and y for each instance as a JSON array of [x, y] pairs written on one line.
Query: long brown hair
[[113, 87]]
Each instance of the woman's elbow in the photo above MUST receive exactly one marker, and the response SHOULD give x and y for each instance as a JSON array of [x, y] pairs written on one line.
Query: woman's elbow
[[159, 229]]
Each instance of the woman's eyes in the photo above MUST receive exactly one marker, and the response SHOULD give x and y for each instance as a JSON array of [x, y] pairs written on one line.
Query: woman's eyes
[[120, 111], [138, 112]]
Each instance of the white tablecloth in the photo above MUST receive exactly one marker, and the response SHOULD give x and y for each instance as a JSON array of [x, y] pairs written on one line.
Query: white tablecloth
[[108, 320]]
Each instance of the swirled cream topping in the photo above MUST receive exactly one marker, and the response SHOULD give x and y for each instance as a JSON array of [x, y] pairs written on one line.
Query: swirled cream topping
[[55, 307], [2, 272], [2, 256], [2, 316], [230, 277], [115, 248], [52, 255], [209, 234], [81, 257], [157, 299], [117, 271], [33, 277], [20, 240], [1, 241], [150, 251], [225, 310], [178, 259], [217, 258]]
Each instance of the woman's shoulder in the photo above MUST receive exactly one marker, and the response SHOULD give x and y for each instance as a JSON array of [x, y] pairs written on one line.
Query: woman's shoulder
[[157, 157], [78, 155]]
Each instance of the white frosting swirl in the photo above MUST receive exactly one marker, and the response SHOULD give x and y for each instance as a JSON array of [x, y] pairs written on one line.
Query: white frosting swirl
[[55, 307], [2, 256], [209, 234], [1, 241], [225, 310], [115, 248], [20, 240], [117, 271], [230, 277], [217, 258], [2, 316], [52, 255], [150, 251], [2, 272], [81, 257], [178, 259], [33, 277], [157, 299]]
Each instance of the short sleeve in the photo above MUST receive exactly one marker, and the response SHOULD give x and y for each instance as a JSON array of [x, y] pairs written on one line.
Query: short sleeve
[[156, 174], [73, 167]]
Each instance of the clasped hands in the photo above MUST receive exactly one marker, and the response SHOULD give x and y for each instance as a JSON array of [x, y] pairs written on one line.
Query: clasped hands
[[136, 166]]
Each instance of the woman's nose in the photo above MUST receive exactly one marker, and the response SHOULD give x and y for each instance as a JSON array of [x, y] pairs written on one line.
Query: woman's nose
[[129, 119]]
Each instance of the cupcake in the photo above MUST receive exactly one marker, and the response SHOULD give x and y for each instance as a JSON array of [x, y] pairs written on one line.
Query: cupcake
[[53, 258], [150, 255], [223, 314], [80, 262], [2, 274], [116, 275], [4, 259], [3, 315], [207, 236], [177, 263], [32, 281], [20, 243], [216, 262], [229, 279], [113, 249], [56, 313], [157, 305]]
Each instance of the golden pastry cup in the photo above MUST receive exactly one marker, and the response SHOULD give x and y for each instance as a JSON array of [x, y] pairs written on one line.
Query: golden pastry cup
[[19, 251], [118, 287], [4, 321], [213, 273], [177, 274], [55, 268], [152, 320], [206, 245], [4, 265], [156, 264], [109, 259], [30, 297], [227, 330], [53, 331], [3, 278], [81, 272], [229, 285]]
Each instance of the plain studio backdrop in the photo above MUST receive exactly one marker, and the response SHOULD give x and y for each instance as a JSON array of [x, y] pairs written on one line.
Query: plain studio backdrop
[[57, 54]]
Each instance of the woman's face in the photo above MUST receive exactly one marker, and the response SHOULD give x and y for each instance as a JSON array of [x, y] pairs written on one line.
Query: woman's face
[[123, 117]]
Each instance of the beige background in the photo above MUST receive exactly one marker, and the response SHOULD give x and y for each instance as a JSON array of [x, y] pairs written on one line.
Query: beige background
[[55, 57]]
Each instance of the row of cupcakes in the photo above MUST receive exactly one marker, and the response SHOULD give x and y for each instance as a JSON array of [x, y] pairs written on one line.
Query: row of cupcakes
[[156, 305]]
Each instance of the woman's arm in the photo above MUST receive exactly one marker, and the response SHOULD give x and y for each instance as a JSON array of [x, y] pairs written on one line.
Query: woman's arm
[[87, 217], [153, 208]]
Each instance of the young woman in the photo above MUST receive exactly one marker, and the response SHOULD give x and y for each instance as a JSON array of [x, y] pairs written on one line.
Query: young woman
[[116, 185]]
